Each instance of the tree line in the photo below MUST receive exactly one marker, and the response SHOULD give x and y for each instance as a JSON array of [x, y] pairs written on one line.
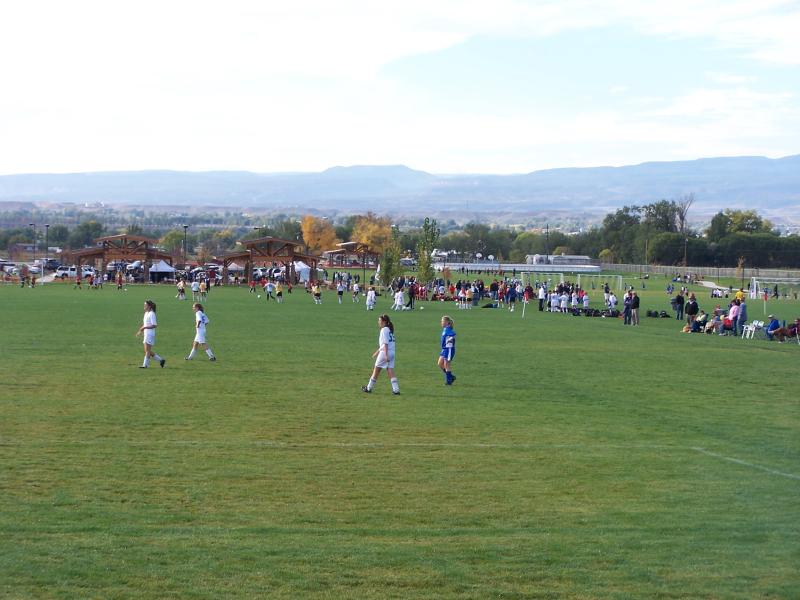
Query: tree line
[[656, 233]]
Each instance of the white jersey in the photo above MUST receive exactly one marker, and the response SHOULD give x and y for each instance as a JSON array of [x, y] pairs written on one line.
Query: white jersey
[[385, 360], [200, 320], [151, 323], [355, 288], [398, 298], [195, 286]]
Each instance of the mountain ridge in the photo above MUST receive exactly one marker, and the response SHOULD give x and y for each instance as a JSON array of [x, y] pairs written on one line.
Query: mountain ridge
[[758, 182]]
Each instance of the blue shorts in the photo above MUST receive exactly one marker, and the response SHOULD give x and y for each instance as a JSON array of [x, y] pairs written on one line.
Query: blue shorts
[[448, 354]]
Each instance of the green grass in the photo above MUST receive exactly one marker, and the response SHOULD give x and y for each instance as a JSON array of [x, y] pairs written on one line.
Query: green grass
[[573, 458]]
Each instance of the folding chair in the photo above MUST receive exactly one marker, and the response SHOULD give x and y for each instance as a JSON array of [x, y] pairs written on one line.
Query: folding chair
[[750, 329]]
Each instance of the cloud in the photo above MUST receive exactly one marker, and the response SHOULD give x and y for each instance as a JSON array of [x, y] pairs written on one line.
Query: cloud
[[92, 84]]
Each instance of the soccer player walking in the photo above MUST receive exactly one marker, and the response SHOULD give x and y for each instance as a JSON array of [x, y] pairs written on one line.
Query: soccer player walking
[[448, 352], [148, 330], [200, 322], [384, 356]]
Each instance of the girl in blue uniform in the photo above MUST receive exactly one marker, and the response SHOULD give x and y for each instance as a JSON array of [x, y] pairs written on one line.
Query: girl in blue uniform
[[448, 350]]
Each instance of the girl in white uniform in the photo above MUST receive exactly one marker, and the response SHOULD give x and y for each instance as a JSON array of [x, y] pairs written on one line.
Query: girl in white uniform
[[398, 300], [148, 331], [371, 299], [200, 322], [384, 356]]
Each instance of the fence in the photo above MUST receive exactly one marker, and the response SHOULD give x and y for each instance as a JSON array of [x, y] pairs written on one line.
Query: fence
[[705, 272]]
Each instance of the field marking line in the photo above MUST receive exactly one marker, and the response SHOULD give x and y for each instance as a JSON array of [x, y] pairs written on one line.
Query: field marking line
[[476, 445], [744, 463]]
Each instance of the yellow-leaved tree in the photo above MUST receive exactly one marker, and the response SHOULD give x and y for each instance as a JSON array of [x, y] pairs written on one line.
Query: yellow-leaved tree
[[374, 231], [318, 234]]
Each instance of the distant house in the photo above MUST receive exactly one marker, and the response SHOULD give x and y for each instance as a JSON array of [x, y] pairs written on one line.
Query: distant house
[[558, 259]]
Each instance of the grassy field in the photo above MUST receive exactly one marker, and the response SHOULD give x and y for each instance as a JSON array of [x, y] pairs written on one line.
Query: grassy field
[[573, 458]]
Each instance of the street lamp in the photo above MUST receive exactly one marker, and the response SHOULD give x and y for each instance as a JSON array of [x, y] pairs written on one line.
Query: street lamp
[[46, 246], [34, 241], [185, 227]]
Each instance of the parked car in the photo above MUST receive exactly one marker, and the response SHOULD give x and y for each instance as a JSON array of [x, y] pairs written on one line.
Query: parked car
[[70, 272]]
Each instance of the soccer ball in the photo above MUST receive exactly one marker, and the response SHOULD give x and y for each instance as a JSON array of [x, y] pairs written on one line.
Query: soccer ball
[[259, 295], [422, 308]]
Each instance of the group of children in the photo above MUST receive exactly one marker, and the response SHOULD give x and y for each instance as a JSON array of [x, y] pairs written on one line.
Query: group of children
[[148, 332], [385, 354]]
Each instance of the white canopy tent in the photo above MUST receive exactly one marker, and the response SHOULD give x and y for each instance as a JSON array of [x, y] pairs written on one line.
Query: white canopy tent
[[161, 270], [162, 267]]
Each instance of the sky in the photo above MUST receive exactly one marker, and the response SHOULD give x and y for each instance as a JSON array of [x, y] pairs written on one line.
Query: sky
[[507, 86]]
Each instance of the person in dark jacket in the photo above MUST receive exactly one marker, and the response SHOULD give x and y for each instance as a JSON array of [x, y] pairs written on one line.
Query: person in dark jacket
[[691, 309], [678, 302]]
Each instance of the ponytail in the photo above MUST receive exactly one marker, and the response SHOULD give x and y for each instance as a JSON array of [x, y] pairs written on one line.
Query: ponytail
[[387, 322]]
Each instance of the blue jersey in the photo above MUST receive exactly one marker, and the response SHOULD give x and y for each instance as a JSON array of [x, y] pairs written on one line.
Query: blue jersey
[[448, 339]]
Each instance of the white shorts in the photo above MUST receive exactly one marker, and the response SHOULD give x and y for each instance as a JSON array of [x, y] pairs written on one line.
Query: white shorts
[[200, 337], [149, 337], [384, 362]]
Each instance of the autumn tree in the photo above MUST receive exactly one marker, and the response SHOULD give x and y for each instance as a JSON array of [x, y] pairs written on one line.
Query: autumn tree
[[374, 231], [390, 262], [172, 242], [429, 236], [318, 234]]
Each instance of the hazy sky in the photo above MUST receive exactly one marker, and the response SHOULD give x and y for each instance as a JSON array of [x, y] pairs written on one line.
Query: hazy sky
[[444, 86]]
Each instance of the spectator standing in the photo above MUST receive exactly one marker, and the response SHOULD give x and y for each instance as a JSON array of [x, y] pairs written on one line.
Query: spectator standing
[[691, 309], [678, 303]]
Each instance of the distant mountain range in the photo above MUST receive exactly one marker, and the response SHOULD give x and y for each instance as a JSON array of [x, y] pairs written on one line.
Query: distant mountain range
[[771, 186]]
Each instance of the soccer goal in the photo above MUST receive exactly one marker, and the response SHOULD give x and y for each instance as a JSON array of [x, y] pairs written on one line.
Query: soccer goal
[[591, 282], [788, 287]]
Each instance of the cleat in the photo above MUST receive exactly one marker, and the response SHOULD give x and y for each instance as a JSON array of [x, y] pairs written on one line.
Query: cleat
[[213, 359], [186, 358], [163, 361], [395, 393], [452, 378], [365, 389], [142, 367]]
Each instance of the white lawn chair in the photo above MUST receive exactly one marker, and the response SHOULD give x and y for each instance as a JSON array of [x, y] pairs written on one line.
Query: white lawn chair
[[749, 330]]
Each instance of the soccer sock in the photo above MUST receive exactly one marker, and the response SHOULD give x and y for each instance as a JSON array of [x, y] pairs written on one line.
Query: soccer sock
[[395, 385], [192, 353], [146, 361], [157, 357], [448, 375], [209, 353], [370, 383], [446, 378]]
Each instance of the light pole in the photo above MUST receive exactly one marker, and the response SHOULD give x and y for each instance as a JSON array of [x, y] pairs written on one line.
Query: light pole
[[185, 228], [46, 246], [34, 241]]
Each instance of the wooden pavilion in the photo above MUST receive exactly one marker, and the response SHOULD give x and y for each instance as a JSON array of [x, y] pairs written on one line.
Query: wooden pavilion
[[269, 252], [122, 247], [348, 253]]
